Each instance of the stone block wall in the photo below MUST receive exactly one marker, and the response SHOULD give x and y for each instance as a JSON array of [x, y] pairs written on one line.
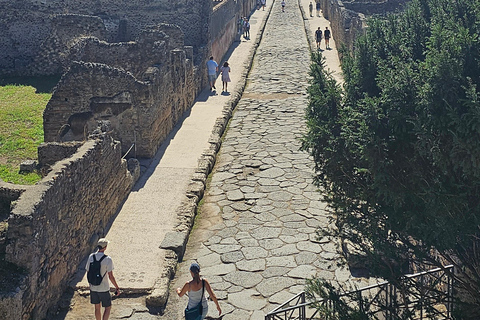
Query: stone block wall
[[142, 93], [56, 223]]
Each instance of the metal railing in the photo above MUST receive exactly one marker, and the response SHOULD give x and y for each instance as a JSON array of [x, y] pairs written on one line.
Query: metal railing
[[428, 295]]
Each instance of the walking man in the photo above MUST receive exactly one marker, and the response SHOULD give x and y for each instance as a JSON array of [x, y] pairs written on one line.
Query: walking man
[[318, 37], [212, 68], [310, 8], [100, 294], [317, 5], [327, 35], [283, 5]]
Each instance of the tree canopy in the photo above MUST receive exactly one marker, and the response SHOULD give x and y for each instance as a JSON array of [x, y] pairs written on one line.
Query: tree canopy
[[397, 149]]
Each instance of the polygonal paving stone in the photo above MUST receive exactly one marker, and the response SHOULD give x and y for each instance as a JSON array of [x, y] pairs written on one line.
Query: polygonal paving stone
[[270, 244], [308, 246], [247, 300], [218, 270], [270, 286], [235, 195], [251, 265], [305, 257], [281, 262], [266, 232], [251, 253], [257, 315], [286, 250], [209, 260], [243, 278], [275, 272], [280, 297], [280, 196], [232, 257], [240, 206], [249, 242]]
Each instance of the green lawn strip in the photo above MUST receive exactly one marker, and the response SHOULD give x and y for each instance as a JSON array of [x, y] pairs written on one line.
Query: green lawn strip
[[21, 130]]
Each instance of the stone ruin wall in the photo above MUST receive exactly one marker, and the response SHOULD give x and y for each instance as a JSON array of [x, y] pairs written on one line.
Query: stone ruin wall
[[141, 89], [223, 25], [348, 18], [56, 223], [27, 24]]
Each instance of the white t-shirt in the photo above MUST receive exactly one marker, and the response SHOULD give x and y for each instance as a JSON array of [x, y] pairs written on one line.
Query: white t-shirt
[[105, 267], [212, 67]]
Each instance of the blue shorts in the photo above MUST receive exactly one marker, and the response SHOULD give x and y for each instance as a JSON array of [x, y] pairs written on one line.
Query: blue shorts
[[212, 77]]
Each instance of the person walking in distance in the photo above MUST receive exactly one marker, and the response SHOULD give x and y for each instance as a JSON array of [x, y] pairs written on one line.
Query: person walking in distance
[[196, 293], [263, 4], [318, 37], [327, 35], [225, 70], [317, 6], [247, 29], [283, 5], [212, 68], [310, 8], [100, 271]]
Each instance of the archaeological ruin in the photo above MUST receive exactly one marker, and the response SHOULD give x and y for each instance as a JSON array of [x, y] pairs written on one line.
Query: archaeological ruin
[[129, 71]]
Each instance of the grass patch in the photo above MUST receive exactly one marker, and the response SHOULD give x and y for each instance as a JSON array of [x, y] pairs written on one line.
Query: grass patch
[[21, 130]]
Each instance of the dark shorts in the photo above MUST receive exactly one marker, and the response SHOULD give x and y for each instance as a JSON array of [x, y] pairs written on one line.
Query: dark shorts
[[104, 297]]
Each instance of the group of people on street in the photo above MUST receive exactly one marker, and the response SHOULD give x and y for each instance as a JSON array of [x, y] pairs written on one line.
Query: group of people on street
[[326, 35], [244, 27]]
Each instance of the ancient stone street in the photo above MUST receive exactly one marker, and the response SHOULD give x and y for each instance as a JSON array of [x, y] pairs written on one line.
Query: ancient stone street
[[255, 237]]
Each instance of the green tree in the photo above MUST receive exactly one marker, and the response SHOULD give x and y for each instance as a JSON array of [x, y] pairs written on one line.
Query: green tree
[[397, 150]]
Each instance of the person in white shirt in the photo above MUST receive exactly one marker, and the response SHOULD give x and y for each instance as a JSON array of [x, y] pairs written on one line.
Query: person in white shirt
[[100, 295], [212, 68]]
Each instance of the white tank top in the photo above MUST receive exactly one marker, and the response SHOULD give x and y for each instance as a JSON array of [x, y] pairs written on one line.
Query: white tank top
[[194, 298]]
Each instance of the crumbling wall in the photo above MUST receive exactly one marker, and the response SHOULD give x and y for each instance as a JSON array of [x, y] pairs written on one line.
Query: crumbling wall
[[141, 93], [223, 27], [56, 223], [27, 24]]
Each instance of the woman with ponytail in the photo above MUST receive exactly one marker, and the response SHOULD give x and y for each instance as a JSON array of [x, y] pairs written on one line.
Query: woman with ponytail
[[197, 307]]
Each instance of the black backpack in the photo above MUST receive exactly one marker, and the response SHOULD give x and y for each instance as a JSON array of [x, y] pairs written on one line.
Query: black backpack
[[94, 276]]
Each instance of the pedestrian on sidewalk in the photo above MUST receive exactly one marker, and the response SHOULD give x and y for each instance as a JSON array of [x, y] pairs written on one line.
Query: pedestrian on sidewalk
[[310, 8], [263, 4], [225, 70], [317, 5], [196, 294], [283, 5], [100, 294], [247, 29], [212, 68], [327, 35], [318, 37]]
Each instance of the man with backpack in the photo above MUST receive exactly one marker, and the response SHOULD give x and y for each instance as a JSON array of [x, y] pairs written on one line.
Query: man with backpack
[[99, 271]]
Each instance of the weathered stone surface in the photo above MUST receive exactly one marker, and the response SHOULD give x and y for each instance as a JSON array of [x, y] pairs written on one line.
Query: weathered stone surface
[[247, 300], [243, 278], [270, 286], [231, 257], [218, 270], [251, 265], [303, 272]]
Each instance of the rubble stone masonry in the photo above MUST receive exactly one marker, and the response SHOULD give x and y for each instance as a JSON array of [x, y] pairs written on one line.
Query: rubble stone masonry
[[55, 224]]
